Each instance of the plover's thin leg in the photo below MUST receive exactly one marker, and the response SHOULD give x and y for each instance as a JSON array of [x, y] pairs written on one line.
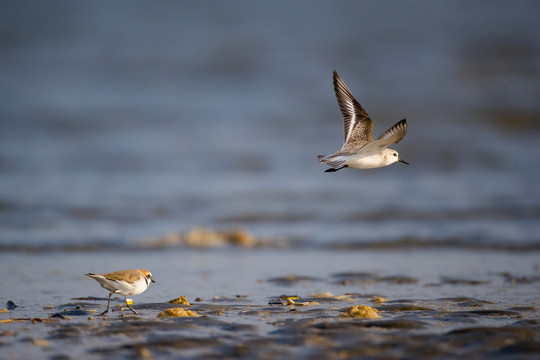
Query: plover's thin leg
[[108, 304], [130, 308]]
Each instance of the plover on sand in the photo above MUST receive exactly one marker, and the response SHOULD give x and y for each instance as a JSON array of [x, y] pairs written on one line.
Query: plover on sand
[[125, 283], [359, 150]]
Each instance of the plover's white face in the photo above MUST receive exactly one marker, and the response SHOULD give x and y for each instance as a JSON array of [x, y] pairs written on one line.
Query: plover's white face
[[148, 275]]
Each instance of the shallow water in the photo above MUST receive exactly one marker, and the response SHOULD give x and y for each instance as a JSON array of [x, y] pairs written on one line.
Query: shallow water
[[212, 118], [122, 128]]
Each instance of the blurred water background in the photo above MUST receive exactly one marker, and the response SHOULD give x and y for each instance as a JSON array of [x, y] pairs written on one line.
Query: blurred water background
[[126, 120]]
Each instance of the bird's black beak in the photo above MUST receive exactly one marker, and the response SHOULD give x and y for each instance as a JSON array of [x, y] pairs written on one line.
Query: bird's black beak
[[152, 280], [403, 161]]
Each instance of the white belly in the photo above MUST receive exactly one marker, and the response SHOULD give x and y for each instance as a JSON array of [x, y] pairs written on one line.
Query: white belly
[[365, 162], [121, 287]]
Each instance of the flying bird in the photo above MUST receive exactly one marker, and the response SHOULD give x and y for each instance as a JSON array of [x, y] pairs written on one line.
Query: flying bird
[[359, 150]]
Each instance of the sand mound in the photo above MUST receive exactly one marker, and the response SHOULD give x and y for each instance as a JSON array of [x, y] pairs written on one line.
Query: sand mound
[[360, 312]]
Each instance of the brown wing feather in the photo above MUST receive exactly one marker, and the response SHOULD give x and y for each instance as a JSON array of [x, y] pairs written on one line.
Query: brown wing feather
[[352, 146], [356, 121], [396, 132], [389, 137], [125, 275]]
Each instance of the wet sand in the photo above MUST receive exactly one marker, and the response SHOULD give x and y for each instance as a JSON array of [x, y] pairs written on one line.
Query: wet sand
[[276, 303]]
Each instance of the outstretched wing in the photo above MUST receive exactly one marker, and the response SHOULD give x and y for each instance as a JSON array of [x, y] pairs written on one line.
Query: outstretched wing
[[358, 126], [389, 137], [395, 133]]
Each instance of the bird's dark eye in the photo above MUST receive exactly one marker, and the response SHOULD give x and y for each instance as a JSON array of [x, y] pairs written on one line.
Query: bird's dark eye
[[395, 154]]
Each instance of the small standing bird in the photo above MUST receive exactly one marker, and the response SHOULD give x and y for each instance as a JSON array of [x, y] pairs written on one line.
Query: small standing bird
[[125, 283], [359, 150]]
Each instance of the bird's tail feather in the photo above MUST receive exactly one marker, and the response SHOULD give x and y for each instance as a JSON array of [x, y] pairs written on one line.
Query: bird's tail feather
[[335, 162]]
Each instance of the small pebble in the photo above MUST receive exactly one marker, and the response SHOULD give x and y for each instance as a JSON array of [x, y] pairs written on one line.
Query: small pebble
[[11, 305]]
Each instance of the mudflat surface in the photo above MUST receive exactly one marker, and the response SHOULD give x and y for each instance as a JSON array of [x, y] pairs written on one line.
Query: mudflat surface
[[267, 303]]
